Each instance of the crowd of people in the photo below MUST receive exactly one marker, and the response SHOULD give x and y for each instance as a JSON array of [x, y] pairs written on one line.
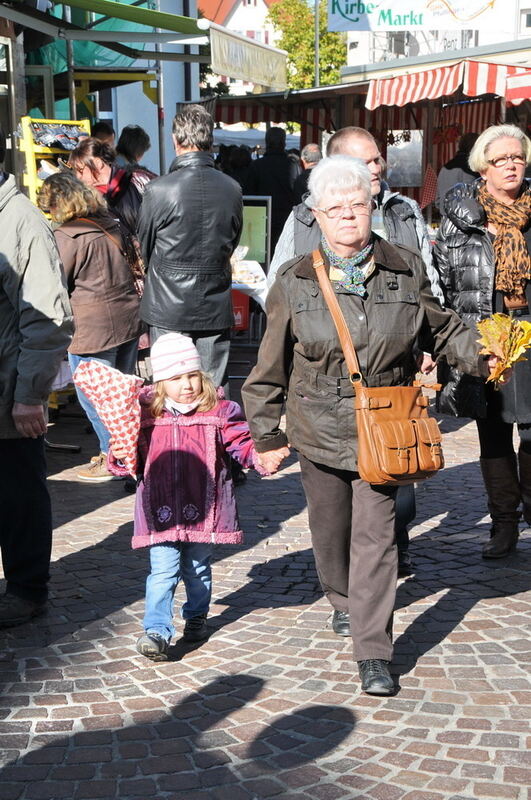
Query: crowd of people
[[133, 254]]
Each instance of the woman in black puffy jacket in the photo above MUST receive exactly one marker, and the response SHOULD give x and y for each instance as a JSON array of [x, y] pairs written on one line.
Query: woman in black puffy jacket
[[482, 252]]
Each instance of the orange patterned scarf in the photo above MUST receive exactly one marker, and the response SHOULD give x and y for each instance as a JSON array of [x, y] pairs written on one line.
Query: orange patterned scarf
[[513, 263]]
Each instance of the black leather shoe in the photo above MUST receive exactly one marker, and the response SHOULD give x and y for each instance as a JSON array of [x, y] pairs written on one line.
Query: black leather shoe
[[405, 565], [341, 623], [375, 677]]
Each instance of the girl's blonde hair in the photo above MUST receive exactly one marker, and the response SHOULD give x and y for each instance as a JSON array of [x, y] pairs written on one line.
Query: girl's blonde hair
[[208, 399]]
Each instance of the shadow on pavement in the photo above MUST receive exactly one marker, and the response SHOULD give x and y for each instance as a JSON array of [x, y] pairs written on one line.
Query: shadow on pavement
[[189, 752]]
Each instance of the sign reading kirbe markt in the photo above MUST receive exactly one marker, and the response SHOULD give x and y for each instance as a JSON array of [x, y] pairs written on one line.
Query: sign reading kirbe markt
[[396, 15]]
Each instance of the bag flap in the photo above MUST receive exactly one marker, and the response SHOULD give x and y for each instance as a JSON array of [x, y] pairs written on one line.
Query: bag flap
[[396, 434], [428, 431], [366, 401]]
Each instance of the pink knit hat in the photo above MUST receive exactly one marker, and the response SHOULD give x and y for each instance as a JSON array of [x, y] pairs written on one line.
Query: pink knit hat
[[173, 354]]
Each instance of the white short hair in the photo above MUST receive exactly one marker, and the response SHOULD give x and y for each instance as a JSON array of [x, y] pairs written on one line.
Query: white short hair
[[344, 173], [477, 159]]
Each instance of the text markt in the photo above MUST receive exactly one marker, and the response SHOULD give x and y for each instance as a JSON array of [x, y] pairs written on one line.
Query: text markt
[[351, 9]]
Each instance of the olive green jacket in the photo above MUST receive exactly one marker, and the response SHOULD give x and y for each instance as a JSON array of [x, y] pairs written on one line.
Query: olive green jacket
[[35, 316], [300, 361]]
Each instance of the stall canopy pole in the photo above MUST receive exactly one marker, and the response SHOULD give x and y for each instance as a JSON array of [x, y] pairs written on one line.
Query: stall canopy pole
[[70, 68], [316, 45]]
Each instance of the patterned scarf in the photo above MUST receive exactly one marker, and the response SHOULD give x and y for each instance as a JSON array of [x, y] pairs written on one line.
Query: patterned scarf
[[513, 264], [354, 278]]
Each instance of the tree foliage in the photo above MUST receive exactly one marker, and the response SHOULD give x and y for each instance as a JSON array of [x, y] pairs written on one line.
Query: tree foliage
[[295, 21]]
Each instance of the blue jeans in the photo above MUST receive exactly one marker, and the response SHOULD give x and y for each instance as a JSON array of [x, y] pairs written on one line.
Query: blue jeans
[[121, 357], [170, 562]]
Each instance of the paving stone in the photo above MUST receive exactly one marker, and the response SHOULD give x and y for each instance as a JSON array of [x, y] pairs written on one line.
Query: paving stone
[[270, 705]]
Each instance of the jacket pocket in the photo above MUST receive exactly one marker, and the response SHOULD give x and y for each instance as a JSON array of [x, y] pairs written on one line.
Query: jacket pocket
[[395, 311]]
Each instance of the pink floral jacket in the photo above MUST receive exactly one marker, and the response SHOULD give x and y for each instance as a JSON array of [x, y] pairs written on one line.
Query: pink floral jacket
[[186, 493]]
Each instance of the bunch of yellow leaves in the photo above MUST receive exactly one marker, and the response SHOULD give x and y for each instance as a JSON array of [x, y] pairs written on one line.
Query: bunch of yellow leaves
[[505, 337]]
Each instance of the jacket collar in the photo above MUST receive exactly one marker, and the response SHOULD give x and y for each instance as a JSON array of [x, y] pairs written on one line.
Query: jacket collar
[[386, 256], [189, 159]]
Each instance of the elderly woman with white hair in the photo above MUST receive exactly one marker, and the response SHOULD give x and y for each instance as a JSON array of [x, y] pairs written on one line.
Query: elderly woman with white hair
[[483, 256], [388, 305]]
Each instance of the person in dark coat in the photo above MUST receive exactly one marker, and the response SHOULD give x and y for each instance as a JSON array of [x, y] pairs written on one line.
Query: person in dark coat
[[483, 254], [310, 156], [189, 226], [387, 302], [457, 170], [93, 162], [274, 175]]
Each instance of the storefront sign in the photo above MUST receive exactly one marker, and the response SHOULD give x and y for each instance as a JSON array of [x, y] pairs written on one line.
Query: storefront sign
[[402, 15], [242, 58]]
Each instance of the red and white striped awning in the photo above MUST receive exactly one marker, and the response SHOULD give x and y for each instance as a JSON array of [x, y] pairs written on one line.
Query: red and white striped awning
[[518, 88], [426, 85], [476, 77]]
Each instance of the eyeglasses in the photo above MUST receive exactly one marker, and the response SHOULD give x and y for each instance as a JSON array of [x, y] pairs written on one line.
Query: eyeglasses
[[501, 161], [334, 212]]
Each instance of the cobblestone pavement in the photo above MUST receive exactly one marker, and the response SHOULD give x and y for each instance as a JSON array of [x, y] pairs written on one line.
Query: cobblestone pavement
[[270, 705]]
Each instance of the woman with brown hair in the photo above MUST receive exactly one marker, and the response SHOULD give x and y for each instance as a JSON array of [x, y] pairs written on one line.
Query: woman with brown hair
[[483, 254], [93, 162], [100, 284]]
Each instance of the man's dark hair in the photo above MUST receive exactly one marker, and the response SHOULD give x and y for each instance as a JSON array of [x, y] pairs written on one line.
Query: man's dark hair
[[467, 142], [193, 127], [275, 140], [102, 130], [336, 142], [133, 143]]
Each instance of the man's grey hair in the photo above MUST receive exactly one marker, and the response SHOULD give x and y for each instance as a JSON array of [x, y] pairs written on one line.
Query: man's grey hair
[[193, 127], [478, 159], [311, 153], [338, 173]]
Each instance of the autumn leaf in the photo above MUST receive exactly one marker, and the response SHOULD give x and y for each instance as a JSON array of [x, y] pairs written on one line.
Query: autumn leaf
[[505, 337]]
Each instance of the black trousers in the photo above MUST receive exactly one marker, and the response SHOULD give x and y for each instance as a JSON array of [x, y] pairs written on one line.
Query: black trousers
[[353, 536], [26, 518], [495, 435]]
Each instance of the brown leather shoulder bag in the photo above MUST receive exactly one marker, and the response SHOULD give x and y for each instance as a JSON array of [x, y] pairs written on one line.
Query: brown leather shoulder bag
[[398, 442]]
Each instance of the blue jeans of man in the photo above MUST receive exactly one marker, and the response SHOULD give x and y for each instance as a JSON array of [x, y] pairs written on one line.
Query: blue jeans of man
[[121, 357], [171, 562], [26, 527], [213, 348]]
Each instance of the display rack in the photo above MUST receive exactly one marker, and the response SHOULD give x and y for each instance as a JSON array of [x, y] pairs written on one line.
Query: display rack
[[33, 152]]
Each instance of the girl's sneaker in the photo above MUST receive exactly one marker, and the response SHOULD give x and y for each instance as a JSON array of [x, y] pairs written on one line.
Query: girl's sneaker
[[153, 646]]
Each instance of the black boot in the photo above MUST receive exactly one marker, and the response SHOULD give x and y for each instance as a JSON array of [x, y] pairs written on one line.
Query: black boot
[[503, 492], [524, 468]]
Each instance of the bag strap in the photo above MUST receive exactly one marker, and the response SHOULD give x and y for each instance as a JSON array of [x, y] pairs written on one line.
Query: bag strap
[[107, 234], [339, 320]]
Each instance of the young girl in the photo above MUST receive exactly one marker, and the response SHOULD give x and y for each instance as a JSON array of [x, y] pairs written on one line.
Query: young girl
[[185, 500]]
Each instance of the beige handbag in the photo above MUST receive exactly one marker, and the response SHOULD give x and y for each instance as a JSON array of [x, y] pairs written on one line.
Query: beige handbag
[[398, 442]]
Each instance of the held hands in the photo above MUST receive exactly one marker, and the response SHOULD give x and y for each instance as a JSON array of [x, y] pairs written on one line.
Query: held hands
[[30, 421], [272, 460]]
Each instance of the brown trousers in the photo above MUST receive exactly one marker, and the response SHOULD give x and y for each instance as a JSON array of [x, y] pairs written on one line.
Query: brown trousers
[[353, 539]]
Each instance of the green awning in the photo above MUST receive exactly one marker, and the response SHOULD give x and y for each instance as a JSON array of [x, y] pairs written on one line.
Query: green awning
[[142, 16]]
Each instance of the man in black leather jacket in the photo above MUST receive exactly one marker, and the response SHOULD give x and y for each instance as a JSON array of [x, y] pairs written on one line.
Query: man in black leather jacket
[[190, 223]]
